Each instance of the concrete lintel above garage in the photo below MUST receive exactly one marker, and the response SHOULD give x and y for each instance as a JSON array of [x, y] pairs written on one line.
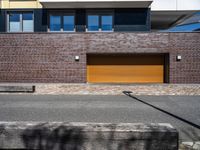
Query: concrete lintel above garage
[[96, 3]]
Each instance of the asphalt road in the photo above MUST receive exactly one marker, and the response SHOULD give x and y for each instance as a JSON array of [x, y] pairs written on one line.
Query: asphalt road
[[104, 109]]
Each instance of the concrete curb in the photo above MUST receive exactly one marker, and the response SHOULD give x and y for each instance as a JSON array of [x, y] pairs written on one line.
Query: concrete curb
[[87, 136], [190, 145], [17, 89]]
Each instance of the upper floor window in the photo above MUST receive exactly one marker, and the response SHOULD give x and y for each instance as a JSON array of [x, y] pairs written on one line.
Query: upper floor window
[[55, 23], [99, 22], [93, 23], [62, 22], [106, 23], [68, 23], [20, 22]]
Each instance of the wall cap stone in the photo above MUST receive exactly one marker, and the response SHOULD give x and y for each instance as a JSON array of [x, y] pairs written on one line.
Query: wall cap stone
[[31, 135]]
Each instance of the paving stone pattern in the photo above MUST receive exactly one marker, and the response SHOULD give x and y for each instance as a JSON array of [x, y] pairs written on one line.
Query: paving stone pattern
[[103, 89]]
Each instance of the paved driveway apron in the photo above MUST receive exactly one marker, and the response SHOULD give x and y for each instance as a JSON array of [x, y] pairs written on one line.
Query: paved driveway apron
[[185, 107], [104, 109]]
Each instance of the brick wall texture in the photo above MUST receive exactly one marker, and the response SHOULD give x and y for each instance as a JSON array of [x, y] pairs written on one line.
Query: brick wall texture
[[49, 57]]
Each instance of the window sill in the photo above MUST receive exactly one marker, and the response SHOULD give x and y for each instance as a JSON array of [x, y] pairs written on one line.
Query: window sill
[[61, 31]]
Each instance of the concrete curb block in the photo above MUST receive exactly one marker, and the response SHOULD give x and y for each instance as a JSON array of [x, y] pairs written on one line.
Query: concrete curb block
[[16, 89], [87, 136], [190, 145]]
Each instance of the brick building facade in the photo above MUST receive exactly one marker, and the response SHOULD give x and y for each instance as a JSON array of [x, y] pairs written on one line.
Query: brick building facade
[[50, 57]]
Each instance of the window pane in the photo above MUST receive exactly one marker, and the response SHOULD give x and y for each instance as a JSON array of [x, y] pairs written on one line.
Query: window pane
[[27, 22], [93, 23], [55, 23], [106, 23], [27, 16], [68, 23], [14, 22]]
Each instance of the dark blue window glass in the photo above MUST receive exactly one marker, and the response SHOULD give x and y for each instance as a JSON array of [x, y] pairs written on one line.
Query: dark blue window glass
[[55, 23], [14, 22], [27, 16], [93, 23], [14, 17], [106, 23], [68, 23]]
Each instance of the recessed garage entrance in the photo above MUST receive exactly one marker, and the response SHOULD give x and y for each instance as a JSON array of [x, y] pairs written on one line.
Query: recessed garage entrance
[[138, 68]]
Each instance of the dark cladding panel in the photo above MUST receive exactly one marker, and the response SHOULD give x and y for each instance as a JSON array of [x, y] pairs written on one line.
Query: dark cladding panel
[[130, 16], [80, 20], [40, 20], [132, 19], [2, 20]]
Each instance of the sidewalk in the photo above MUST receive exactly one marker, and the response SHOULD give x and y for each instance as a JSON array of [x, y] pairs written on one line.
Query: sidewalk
[[112, 89]]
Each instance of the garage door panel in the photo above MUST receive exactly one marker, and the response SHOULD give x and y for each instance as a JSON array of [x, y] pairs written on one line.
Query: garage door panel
[[129, 72], [125, 73]]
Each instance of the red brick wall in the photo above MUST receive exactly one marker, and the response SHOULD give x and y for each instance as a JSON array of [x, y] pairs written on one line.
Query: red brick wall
[[49, 57]]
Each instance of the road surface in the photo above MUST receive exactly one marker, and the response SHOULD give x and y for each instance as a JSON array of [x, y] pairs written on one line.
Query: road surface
[[112, 109]]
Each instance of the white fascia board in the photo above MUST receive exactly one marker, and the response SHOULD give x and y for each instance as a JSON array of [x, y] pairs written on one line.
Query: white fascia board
[[96, 3]]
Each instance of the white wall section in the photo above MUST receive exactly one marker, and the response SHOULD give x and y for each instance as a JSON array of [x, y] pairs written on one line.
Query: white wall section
[[175, 5], [188, 4]]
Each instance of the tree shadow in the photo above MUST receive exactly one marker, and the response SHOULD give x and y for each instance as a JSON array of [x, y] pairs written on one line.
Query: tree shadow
[[62, 138], [46, 136]]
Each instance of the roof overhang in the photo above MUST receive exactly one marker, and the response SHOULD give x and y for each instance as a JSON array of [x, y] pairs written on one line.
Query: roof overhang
[[168, 13], [96, 3], [166, 19]]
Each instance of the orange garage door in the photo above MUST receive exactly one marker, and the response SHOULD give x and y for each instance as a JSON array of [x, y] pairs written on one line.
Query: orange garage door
[[125, 68]]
